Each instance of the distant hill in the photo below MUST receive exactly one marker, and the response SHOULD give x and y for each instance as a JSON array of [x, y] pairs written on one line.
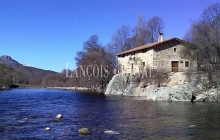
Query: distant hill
[[27, 70], [8, 61], [24, 73], [5, 69], [5, 74]]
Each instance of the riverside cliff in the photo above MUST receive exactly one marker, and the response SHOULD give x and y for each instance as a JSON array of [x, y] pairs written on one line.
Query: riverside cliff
[[177, 87]]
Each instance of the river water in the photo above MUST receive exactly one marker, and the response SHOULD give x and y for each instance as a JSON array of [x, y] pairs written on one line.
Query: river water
[[25, 113]]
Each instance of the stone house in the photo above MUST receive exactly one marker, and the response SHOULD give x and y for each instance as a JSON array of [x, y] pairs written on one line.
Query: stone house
[[164, 55]]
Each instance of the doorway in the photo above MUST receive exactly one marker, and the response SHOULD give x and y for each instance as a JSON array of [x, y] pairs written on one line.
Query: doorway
[[175, 66]]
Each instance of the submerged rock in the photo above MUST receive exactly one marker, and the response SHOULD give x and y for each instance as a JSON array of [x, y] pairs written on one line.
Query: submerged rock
[[59, 116], [83, 131], [192, 125], [111, 132], [47, 128]]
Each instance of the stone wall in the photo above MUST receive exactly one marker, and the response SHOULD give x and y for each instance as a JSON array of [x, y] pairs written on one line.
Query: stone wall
[[159, 57], [165, 54], [137, 60]]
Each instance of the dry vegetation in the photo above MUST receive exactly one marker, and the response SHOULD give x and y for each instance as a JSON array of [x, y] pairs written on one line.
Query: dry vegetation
[[204, 36]]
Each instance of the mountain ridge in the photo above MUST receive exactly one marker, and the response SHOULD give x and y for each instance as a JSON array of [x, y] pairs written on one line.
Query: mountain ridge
[[10, 62], [25, 74], [7, 60]]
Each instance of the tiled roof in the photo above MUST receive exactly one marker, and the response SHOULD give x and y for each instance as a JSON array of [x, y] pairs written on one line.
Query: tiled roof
[[149, 45]]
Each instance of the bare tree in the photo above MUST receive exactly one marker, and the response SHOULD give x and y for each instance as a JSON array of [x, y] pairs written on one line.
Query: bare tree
[[148, 31], [141, 32], [154, 26], [205, 34], [92, 43], [97, 62], [121, 40]]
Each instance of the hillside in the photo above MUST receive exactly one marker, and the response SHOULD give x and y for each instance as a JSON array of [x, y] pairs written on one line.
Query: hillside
[[8, 61], [27, 70], [5, 69], [5, 74], [12, 71]]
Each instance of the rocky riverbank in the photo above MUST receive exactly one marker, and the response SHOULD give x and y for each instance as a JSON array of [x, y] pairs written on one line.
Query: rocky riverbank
[[71, 88], [78, 89], [176, 88]]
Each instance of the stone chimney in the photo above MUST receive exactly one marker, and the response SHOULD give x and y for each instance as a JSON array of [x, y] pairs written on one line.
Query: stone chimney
[[160, 37]]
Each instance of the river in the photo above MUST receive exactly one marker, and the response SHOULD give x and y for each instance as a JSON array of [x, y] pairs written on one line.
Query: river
[[25, 113]]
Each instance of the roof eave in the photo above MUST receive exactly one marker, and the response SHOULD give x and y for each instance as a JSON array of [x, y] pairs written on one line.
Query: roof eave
[[129, 51]]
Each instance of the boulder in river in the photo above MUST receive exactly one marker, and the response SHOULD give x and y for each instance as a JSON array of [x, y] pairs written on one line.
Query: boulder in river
[[83, 131], [59, 116], [47, 128]]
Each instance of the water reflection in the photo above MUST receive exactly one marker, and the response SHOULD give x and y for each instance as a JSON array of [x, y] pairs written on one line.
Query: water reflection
[[24, 113]]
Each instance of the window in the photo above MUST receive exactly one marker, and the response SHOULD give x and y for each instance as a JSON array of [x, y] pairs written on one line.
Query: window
[[186, 63], [143, 64], [132, 68], [174, 49]]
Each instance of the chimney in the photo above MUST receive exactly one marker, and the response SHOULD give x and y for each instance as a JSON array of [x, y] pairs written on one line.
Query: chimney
[[160, 37]]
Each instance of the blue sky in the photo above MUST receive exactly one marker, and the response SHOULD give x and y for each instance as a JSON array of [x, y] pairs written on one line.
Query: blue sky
[[47, 33]]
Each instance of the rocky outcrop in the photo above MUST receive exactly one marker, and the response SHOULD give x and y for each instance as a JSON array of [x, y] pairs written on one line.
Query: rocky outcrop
[[116, 85], [177, 88], [207, 95]]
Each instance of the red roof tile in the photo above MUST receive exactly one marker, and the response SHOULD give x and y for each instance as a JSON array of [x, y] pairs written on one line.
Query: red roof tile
[[149, 45]]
